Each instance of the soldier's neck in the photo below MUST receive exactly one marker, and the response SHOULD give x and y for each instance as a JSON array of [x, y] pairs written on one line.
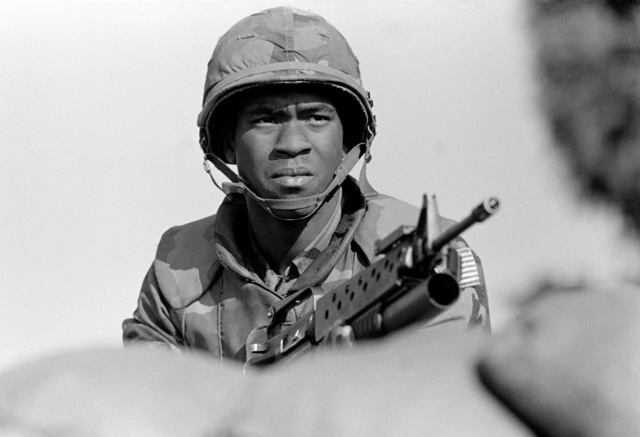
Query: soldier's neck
[[280, 241]]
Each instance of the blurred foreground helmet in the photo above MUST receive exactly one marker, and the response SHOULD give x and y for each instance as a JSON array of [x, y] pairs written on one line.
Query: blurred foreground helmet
[[282, 46]]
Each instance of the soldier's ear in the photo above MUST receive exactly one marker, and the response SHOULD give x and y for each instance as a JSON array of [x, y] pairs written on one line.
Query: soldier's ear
[[228, 146]]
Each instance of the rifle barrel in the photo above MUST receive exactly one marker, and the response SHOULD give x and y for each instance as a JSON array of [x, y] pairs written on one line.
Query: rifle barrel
[[480, 213]]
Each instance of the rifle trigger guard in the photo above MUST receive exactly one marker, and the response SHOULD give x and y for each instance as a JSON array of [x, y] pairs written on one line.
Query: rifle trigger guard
[[278, 311]]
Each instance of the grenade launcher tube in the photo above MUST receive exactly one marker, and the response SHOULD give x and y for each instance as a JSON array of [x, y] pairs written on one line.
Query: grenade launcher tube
[[426, 300]]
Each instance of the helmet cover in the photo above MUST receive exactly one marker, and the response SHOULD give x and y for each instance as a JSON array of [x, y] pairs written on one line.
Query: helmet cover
[[281, 45]]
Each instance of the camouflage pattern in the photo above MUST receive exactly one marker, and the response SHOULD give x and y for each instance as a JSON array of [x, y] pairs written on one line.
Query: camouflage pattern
[[280, 45], [205, 292]]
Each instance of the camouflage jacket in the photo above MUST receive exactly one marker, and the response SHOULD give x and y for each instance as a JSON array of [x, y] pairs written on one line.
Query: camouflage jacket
[[202, 293]]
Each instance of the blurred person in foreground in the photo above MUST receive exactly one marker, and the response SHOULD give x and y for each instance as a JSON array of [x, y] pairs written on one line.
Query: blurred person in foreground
[[568, 365]]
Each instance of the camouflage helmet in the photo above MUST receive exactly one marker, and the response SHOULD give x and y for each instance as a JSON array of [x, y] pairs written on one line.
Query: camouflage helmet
[[281, 45]]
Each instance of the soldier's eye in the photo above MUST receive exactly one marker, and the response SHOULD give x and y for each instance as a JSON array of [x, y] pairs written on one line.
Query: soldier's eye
[[264, 120]]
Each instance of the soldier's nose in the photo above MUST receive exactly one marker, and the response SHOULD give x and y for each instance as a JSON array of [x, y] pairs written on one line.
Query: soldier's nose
[[292, 140]]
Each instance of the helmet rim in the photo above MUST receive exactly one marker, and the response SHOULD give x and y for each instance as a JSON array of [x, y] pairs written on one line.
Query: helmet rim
[[226, 91]]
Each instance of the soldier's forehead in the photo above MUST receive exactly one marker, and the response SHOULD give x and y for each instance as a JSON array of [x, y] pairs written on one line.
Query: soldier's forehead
[[273, 101]]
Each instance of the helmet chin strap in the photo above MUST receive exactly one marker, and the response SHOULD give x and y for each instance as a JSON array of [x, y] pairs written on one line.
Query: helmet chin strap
[[289, 209]]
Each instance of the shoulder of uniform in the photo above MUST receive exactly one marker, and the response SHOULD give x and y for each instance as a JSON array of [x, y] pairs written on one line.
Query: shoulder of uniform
[[388, 212], [384, 215], [186, 261], [189, 236]]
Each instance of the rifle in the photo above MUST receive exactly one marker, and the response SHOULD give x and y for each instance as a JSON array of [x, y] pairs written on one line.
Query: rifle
[[418, 278]]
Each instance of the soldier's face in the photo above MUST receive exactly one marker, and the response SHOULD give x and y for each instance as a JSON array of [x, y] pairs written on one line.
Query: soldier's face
[[287, 143]]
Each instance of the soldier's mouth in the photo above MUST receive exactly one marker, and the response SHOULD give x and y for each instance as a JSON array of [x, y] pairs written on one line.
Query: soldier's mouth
[[292, 181], [292, 177]]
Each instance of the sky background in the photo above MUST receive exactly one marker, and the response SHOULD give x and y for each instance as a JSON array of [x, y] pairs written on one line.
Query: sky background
[[99, 149]]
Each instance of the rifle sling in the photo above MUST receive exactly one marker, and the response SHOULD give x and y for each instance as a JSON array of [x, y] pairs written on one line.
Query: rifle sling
[[323, 264]]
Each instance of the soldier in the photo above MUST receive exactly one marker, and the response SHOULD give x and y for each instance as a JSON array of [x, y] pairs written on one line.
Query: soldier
[[284, 102]]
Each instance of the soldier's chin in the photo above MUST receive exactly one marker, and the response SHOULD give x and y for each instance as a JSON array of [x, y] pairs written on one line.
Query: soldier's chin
[[294, 214]]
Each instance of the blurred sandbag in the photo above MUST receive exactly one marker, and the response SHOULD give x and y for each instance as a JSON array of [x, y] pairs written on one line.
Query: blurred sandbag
[[410, 384], [113, 392]]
